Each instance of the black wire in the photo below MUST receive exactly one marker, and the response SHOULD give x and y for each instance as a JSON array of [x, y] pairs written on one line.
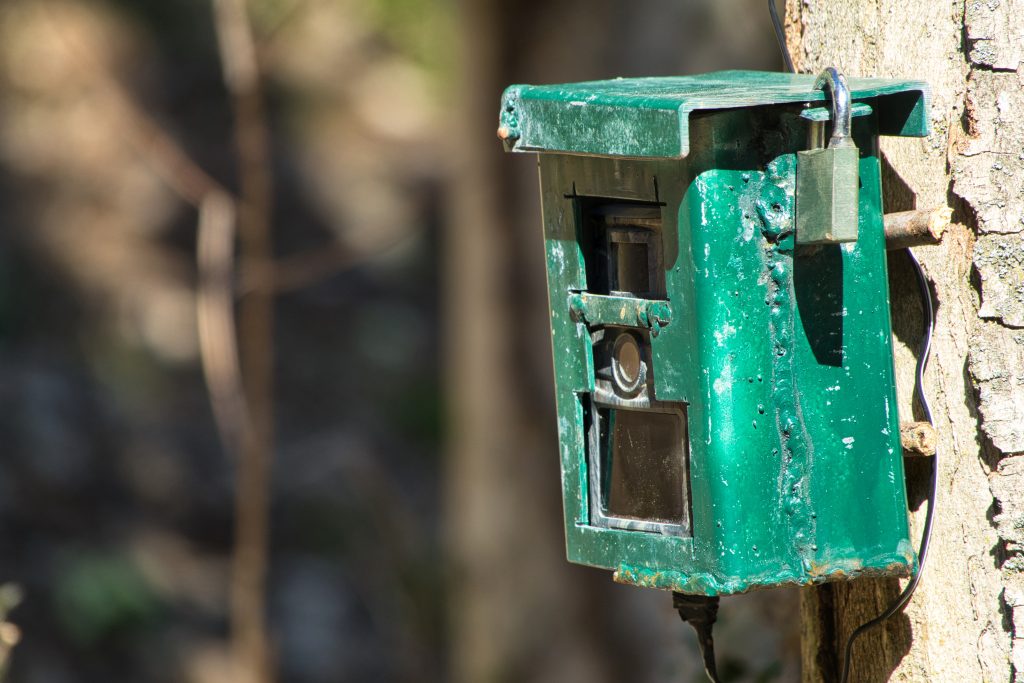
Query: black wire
[[926, 534], [701, 612], [780, 36]]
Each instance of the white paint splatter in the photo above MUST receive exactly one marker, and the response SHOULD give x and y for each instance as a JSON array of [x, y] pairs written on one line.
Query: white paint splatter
[[558, 254], [726, 331], [723, 384]]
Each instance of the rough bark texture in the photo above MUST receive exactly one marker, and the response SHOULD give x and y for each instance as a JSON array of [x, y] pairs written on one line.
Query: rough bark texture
[[967, 621]]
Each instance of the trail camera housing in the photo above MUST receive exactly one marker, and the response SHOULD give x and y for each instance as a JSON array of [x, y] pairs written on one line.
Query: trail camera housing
[[726, 400]]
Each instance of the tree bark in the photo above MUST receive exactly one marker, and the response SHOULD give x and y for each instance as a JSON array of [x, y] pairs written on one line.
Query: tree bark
[[966, 622]]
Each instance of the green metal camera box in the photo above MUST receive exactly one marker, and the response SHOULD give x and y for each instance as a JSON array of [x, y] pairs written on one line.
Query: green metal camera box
[[726, 399]]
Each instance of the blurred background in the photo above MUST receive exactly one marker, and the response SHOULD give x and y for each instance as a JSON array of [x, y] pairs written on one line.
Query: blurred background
[[377, 498]]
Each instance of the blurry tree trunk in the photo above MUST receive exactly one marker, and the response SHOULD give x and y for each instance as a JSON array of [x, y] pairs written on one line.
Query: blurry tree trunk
[[966, 622], [519, 611]]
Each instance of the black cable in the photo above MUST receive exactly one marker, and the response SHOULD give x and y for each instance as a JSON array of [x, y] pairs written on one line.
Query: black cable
[[926, 534], [780, 36], [700, 612]]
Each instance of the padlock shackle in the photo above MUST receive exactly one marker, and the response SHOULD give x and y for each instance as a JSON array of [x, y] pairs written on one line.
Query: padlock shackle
[[842, 106]]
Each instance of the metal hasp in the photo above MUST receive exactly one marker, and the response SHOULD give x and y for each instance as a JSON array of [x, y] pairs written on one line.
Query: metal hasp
[[726, 401], [827, 182]]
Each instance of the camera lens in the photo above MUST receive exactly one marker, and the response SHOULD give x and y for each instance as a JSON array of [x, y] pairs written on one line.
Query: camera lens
[[628, 369]]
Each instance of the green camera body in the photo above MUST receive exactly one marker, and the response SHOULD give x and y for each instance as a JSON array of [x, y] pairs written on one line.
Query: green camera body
[[726, 399]]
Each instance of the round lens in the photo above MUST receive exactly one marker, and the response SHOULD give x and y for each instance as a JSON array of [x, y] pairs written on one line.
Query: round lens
[[627, 363]]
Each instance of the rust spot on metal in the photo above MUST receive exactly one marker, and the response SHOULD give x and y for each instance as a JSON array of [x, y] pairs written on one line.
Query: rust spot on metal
[[818, 572]]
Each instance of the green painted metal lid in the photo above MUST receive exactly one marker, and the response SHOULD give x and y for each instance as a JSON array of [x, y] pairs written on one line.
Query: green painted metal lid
[[649, 117]]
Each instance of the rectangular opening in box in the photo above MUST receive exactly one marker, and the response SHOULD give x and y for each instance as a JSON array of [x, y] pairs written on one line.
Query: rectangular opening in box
[[621, 243], [638, 464]]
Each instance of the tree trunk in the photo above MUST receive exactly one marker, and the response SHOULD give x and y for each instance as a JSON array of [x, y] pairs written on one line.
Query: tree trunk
[[503, 497], [966, 622]]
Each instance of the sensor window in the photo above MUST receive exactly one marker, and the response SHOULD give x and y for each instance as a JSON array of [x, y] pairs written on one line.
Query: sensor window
[[639, 469], [645, 473]]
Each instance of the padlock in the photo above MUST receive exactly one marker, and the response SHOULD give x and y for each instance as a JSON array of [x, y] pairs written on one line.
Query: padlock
[[827, 180]]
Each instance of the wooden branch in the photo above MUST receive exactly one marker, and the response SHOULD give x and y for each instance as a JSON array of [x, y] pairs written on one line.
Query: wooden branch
[[918, 439], [243, 422], [916, 228], [298, 271], [250, 641], [215, 309], [307, 268]]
